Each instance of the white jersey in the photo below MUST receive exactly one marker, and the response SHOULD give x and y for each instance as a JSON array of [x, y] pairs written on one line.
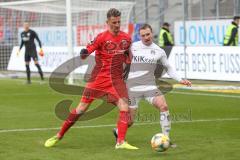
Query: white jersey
[[144, 62]]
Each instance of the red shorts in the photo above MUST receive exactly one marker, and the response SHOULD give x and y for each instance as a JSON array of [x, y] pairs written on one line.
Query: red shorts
[[113, 91]]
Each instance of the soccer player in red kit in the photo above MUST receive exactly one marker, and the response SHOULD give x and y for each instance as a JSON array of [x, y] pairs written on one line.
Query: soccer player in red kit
[[111, 48]]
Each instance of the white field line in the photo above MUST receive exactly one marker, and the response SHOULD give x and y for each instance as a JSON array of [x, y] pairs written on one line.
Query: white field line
[[22, 80], [172, 92], [205, 94], [208, 87], [27, 94], [113, 125]]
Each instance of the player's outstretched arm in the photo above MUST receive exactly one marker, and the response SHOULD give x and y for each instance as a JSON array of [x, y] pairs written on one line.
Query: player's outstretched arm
[[172, 73], [90, 48], [170, 70]]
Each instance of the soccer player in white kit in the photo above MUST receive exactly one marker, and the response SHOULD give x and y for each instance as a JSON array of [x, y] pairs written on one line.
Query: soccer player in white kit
[[141, 80]]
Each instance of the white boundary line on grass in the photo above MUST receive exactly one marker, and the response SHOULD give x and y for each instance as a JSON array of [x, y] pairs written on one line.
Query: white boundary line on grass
[[113, 125], [204, 94], [172, 92], [22, 80]]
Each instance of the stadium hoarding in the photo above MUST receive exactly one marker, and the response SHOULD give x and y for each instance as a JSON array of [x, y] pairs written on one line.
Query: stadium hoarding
[[53, 57], [82, 34], [201, 33], [51, 36], [1, 29], [207, 63]]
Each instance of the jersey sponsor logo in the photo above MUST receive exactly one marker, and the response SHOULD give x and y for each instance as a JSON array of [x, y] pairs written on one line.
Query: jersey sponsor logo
[[26, 39], [153, 52], [124, 44], [143, 59], [115, 48], [109, 46]]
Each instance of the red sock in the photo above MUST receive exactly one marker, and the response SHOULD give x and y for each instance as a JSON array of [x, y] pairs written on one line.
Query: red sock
[[72, 118], [122, 125]]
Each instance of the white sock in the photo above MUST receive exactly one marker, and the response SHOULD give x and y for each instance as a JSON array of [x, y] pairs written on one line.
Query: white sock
[[165, 122]]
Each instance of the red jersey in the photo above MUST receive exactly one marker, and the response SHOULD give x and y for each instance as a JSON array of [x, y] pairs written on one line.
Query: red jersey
[[109, 56]]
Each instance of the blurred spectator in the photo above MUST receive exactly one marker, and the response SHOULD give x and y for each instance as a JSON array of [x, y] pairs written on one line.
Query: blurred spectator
[[165, 37], [231, 36]]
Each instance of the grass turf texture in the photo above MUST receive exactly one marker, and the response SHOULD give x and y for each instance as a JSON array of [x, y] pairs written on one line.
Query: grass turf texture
[[204, 127]]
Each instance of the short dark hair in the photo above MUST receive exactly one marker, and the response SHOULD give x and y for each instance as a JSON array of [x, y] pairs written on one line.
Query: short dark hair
[[113, 12], [166, 24], [236, 17], [145, 26]]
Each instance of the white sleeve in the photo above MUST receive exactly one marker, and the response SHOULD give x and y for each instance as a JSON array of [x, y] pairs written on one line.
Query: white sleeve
[[170, 70]]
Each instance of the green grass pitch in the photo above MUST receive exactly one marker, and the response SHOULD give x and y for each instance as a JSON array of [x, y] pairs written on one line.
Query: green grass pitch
[[205, 127]]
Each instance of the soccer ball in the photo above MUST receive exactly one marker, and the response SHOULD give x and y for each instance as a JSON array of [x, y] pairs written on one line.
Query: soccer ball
[[160, 142]]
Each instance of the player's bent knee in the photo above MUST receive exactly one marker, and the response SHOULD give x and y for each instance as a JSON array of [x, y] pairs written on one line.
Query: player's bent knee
[[122, 105], [123, 108]]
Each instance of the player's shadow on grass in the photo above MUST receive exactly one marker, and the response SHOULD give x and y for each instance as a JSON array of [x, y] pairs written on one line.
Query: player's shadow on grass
[[62, 110]]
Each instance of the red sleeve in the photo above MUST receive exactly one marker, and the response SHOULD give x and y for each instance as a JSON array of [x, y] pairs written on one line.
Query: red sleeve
[[129, 56], [94, 45]]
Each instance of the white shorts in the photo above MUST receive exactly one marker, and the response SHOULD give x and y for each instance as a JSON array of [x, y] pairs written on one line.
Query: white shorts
[[135, 105], [147, 92], [134, 98]]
